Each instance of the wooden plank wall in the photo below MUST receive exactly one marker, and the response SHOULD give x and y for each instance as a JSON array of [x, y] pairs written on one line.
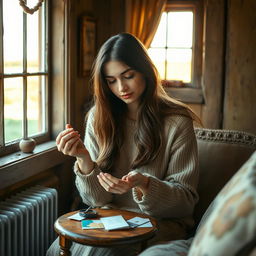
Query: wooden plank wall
[[213, 66], [78, 84], [109, 21], [240, 80]]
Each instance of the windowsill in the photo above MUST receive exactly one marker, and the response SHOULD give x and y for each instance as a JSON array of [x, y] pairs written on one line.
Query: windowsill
[[185, 94], [19, 156], [19, 166]]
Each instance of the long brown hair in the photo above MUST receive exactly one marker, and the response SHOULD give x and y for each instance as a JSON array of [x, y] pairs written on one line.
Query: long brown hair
[[155, 104]]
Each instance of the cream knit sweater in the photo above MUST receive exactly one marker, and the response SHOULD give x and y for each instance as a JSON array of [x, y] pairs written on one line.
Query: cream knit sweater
[[173, 175]]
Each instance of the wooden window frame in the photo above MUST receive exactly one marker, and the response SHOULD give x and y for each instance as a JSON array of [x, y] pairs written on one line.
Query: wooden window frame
[[17, 167], [190, 92], [13, 146]]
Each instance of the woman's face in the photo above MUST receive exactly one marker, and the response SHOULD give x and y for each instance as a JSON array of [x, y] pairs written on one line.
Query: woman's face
[[126, 83]]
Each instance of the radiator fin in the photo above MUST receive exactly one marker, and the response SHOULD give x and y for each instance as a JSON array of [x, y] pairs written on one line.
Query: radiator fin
[[26, 222]]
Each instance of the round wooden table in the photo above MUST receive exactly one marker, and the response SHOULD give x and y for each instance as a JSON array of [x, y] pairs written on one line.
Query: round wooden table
[[71, 230]]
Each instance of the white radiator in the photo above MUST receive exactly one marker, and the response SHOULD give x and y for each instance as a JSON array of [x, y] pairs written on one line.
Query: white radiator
[[26, 222]]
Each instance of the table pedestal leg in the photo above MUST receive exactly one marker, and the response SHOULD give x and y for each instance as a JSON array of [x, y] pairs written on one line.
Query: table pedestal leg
[[65, 245]]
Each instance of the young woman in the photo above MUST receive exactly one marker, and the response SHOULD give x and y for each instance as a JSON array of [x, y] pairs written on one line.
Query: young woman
[[139, 151]]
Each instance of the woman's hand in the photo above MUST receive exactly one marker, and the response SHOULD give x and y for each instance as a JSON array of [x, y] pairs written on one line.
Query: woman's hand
[[121, 186], [69, 143], [113, 184], [138, 181]]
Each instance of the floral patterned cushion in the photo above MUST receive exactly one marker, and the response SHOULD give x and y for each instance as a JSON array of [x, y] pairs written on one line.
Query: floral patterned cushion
[[229, 225]]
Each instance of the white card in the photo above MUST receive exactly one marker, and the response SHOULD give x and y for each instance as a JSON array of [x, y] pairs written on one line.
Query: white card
[[76, 216], [139, 222], [114, 222]]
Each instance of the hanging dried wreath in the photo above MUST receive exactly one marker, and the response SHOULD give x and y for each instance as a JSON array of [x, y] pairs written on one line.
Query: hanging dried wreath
[[26, 9]]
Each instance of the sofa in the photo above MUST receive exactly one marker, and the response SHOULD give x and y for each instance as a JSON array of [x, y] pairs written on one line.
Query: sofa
[[225, 214]]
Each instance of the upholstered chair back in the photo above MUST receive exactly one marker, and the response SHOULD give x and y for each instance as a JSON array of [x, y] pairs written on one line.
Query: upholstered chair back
[[221, 154]]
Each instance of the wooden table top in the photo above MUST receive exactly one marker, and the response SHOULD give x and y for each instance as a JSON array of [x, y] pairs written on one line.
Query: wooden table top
[[72, 230]]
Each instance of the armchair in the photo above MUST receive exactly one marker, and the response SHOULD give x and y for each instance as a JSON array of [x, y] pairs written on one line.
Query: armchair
[[228, 226]]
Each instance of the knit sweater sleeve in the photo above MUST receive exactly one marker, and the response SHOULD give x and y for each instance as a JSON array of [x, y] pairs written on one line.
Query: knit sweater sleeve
[[90, 190], [175, 195]]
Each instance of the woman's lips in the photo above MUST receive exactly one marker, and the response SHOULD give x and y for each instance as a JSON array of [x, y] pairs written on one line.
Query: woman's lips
[[126, 96]]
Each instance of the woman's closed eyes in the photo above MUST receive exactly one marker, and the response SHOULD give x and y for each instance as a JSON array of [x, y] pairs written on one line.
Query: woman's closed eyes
[[129, 76], [126, 76]]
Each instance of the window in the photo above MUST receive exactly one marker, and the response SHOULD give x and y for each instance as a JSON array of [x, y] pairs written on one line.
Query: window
[[23, 74], [51, 73], [176, 48]]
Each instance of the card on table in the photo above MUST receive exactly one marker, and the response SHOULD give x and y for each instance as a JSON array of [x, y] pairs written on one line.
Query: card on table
[[139, 222], [92, 224], [114, 222], [76, 216]]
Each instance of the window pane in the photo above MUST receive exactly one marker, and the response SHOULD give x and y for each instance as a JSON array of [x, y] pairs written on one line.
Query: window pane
[[180, 29], [36, 105], [13, 36], [35, 41], [32, 3], [179, 64], [160, 36], [158, 57], [13, 108]]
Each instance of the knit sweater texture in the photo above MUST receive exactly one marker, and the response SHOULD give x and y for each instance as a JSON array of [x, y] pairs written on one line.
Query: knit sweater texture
[[173, 175]]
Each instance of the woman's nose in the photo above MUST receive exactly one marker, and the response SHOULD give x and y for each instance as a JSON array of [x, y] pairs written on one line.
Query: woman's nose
[[122, 86]]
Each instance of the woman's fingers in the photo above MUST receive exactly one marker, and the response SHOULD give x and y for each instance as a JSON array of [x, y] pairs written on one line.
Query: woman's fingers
[[134, 178], [63, 133], [113, 184], [121, 186], [74, 147], [107, 187], [69, 145], [67, 139], [68, 126], [68, 129], [107, 183], [125, 177], [109, 178]]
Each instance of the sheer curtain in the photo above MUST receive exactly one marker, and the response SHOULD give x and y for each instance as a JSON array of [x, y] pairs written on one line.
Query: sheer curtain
[[143, 17]]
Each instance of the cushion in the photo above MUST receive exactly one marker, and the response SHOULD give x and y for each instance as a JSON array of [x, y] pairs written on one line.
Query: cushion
[[172, 248], [229, 225]]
